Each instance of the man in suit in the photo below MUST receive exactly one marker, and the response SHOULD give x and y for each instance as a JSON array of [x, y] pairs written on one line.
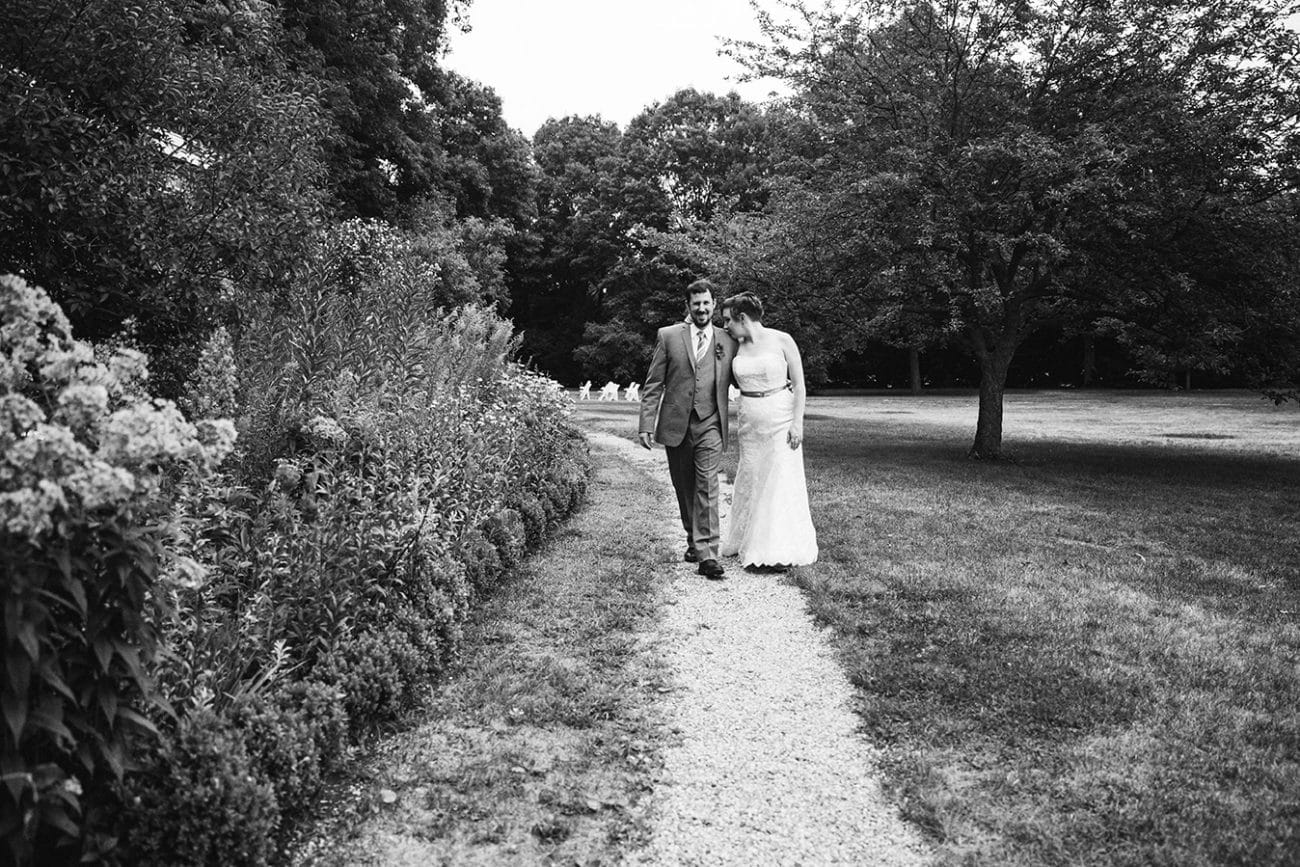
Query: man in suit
[[684, 407]]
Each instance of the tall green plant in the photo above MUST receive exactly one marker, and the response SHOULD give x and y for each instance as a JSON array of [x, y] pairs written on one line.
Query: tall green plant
[[89, 465]]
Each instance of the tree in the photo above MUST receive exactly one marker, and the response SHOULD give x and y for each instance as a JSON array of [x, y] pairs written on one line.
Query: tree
[[154, 158], [489, 171], [680, 162], [995, 167], [557, 289], [703, 152], [376, 64]]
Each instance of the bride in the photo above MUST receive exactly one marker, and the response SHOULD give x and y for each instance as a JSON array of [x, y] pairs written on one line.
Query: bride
[[770, 524]]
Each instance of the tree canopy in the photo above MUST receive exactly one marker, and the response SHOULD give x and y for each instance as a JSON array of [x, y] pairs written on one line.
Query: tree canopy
[[602, 282], [149, 156], [169, 164], [977, 170]]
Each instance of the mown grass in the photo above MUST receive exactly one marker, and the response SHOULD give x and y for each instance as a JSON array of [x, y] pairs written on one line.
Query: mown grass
[[1089, 656], [1086, 657], [540, 746]]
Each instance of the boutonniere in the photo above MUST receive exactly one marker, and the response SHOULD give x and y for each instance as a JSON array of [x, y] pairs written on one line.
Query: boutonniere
[[717, 351]]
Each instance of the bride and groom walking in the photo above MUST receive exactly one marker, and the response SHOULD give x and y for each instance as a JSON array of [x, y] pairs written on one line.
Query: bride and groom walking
[[684, 407]]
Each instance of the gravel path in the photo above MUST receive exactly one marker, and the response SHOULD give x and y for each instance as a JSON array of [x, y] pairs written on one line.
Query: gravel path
[[767, 765]]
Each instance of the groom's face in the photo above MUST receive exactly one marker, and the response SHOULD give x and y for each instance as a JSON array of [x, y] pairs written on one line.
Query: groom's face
[[701, 307]]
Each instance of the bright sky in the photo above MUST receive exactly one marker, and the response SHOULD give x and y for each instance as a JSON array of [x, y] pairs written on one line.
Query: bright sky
[[551, 58]]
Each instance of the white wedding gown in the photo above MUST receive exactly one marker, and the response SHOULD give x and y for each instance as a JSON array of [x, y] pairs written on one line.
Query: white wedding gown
[[769, 523]]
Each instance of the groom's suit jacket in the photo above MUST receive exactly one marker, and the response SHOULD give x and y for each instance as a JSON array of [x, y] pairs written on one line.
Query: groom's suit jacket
[[669, 391]]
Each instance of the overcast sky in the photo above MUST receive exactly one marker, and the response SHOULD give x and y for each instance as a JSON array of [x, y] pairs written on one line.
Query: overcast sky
[[551, 58]]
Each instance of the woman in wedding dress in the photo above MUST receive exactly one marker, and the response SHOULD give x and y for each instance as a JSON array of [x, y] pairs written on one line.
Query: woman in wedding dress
[[770, 524]]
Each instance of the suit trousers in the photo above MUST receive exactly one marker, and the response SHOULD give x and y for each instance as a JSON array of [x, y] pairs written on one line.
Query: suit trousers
[[693, 467]]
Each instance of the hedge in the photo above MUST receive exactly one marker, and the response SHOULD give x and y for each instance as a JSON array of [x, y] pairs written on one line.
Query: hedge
[[201, 626]]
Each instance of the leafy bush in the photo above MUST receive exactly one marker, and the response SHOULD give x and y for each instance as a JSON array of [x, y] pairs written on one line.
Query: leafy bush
[[202, 799], [89, 468], [482, 561], [530, 509], [393, 463], [383, 439], [283, 745], [505, 530]]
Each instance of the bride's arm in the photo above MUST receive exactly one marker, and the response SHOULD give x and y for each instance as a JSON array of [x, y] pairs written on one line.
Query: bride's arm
[[794, 364]]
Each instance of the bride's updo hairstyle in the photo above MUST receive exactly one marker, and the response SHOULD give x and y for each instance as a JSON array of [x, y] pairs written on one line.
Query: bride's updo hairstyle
[[746, 303]]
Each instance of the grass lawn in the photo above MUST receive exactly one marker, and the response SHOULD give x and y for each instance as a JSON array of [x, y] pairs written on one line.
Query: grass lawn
[[1089, 656], [539, 748]]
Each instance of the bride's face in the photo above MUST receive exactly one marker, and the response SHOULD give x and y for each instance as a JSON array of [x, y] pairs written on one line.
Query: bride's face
[[736, 326]]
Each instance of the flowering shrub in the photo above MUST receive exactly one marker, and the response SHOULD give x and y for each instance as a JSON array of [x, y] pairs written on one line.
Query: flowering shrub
[[387, 447], [197, 624], [89, 467]]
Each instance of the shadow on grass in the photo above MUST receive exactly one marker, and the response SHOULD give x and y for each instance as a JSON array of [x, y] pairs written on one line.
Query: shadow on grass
[[1086, 656], [1181, 466]]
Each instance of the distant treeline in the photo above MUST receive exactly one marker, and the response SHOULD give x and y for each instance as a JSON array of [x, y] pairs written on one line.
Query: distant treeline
[[1099, 193], [1048, 359]]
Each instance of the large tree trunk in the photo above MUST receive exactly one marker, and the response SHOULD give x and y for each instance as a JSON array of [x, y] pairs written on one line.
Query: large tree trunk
[[994, 359], [1089, 359], [914, 368]]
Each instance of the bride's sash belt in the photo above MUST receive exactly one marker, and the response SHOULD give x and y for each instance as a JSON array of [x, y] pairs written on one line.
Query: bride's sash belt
[[789, 386]]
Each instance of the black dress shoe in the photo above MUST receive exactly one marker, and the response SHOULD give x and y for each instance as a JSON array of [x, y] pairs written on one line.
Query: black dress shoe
[[711, 570], [691, 556]]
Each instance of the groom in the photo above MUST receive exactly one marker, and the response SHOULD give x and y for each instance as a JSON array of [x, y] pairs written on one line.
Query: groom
[[684, 407]]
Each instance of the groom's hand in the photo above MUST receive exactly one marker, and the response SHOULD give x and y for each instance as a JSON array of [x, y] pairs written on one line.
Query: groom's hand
[[645, 440]]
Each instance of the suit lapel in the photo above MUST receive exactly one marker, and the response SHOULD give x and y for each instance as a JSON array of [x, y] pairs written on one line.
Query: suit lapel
[[686, 342]]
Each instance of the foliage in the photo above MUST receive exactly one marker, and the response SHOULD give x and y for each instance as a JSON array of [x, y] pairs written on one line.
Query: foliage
[[558, 283], [406, 132], [354, 572], [681, 162], [340, 339], [553, 654], [167, 161], [373, 60], [614, 351], [489, 170], [703, 152], [153, 156], [201, 800], [213, 386], [386, 441], [601, 284], [986, 169], [90, 465], [167, 168], [256, 612], [780, 260]]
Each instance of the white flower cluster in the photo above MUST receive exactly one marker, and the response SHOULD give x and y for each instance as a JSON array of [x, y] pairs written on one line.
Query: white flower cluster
[[77, 434], [327, 430]]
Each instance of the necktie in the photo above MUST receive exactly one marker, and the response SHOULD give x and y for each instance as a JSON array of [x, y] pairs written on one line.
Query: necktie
[[699, 346]]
